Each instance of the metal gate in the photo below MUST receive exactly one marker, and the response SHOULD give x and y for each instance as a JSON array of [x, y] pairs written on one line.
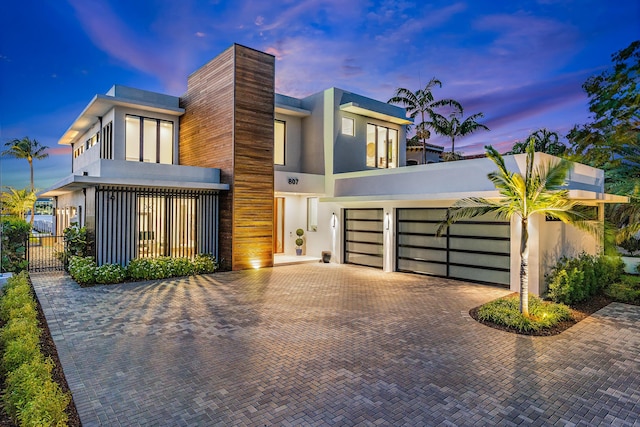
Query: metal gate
[[363, 237], [477, 249], [42, 253]]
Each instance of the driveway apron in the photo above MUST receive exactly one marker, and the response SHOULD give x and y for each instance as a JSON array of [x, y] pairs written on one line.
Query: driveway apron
[[327, 344]]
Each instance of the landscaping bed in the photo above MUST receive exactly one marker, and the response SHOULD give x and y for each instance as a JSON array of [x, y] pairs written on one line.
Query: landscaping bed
[[48, 349], [579, 311]]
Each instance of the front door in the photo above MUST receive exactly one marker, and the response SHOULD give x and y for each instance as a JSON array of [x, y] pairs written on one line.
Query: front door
[[278, 225]]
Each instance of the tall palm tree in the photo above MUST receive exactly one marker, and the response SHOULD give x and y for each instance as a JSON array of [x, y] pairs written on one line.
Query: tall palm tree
[[30, 149], [17, 202], [453, 127], [421, 102], [545, 141], [539, 191]]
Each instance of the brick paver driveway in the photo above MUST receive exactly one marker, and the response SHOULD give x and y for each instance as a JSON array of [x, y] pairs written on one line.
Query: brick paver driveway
[[325, 344]]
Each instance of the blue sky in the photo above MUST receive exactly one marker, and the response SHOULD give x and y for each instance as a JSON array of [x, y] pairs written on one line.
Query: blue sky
[[521, 63]]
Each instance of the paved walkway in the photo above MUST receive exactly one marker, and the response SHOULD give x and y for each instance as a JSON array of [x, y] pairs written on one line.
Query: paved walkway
[[324, 344]]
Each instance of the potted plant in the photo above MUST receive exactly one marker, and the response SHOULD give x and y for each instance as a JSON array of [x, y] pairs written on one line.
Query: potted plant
[[299, 241]]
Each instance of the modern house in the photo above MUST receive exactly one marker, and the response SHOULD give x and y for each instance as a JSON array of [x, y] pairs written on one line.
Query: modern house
[[233, 169]]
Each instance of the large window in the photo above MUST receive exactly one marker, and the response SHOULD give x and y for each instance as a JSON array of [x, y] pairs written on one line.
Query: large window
[[279, 142], [382, 147], [148, 140]]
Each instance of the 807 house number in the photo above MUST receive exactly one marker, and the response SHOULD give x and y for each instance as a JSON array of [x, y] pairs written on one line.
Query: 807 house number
[[292, 181]]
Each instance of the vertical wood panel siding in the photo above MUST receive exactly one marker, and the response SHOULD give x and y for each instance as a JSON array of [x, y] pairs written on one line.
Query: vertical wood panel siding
[[177, 223], [228, 124]]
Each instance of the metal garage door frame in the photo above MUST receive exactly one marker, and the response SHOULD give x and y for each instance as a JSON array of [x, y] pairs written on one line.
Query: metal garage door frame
[[378, 254], [445, 248]]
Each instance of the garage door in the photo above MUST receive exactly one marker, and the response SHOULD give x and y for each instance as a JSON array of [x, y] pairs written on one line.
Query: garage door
[[476, 249], [363, 237]]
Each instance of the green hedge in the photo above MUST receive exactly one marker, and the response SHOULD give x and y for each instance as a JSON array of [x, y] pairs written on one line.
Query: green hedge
[[573, 280], [15, 232], [31, 397], [85, 271]]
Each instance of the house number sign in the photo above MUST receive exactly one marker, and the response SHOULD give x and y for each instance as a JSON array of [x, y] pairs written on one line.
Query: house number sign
[[292, 181]]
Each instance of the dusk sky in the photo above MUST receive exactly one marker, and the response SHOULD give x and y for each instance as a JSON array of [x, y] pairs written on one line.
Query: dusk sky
[[521, 63]]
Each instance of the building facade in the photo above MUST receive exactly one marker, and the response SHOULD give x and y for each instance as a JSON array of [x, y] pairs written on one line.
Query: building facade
[[233, 169]]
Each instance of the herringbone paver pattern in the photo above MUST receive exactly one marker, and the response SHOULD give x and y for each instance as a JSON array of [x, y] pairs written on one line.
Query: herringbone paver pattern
[[326, 344]]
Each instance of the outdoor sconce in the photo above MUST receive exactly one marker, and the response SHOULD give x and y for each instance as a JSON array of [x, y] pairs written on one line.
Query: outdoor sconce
[[334, 220], [387, 221]]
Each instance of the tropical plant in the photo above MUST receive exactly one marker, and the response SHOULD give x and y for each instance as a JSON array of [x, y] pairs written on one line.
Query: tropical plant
[[17, 202], [539, 191], [611, 141], [631, 245], [454, 127], [29, 149], [422, 102], [545, 141], [15, 233]]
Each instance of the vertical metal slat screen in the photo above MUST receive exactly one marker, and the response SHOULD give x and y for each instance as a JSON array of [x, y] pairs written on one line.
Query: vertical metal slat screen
[[148, 223]]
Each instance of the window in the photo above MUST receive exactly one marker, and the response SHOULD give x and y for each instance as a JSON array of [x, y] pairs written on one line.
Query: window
[[348, 126], [312, 214], [107, 142], [382, 147], [280, 131], [148, 140]]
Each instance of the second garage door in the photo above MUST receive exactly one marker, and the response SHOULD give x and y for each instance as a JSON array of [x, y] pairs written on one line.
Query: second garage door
[[477, 249]]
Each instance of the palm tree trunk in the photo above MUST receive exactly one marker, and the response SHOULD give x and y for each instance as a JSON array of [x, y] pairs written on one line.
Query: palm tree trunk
[[33, 207], [453, 145], [524, 268]]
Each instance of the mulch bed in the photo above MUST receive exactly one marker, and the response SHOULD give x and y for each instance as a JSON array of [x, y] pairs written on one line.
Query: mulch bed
[[579, 312], [48, 348]]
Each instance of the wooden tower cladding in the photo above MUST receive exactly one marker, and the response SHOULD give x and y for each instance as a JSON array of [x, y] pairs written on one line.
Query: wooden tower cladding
[[228, 124]]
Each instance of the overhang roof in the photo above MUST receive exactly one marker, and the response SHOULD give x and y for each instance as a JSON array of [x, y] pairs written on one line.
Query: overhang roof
[[101, 104], [355, 108], [584, 196], [78, 182], [291, 110]]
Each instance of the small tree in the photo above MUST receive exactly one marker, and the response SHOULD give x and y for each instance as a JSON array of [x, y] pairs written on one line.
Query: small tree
[[29, 149], [18, 202], [631, 245], [539, 191]]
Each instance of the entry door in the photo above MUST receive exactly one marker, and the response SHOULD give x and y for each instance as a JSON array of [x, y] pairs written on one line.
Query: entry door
[[278, 225]]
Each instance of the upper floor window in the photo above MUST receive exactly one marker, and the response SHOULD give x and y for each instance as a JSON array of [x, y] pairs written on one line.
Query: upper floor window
[[279, 129], [348, 126], [382, 147], [148, 140]]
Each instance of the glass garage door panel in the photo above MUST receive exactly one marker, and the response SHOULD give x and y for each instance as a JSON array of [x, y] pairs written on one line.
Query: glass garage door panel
[[363, 237]]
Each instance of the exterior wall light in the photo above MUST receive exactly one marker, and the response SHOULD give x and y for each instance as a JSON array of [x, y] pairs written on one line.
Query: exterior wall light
[[387, 221], [334, 220]]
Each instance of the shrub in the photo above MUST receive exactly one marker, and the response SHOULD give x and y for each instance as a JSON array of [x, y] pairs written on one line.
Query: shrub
[[16, 328], [627, 290], [83, 270], [76, 243], [15, 233], [110, 273], [146, 269], [205, 263], [19, 351], [631, 245], [180, 267], [574, 280], [32, 398], [506, 312]]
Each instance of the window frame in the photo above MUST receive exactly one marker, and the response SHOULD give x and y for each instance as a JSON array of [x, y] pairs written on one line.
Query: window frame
[[157, 135], [284, 142], [353, 126], [391, 156]]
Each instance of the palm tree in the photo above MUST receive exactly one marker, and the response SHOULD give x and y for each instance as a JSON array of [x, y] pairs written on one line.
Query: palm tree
[[453, 127], [17, 202], [29, 149], [539, 191], [545, 141], [421, 102]]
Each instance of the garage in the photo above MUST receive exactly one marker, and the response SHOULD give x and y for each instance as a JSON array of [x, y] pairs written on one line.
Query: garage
[[477, 249], [363, 237]]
